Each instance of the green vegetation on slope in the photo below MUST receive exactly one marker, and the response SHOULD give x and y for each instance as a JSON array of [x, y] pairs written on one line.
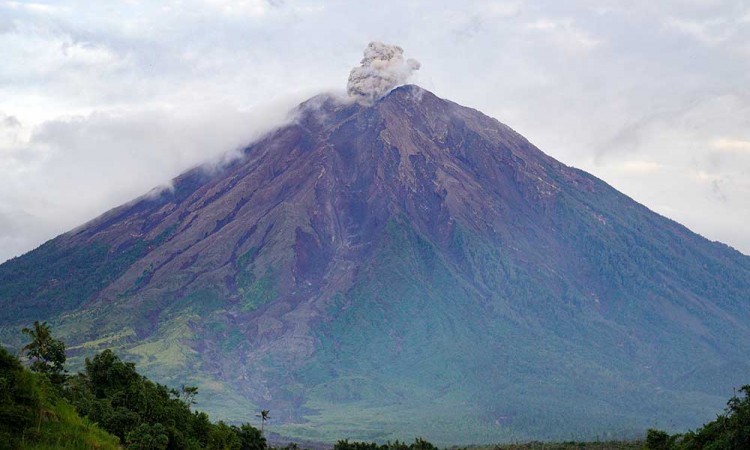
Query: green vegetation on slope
[[436, 347], [69, 275], [43, 410], [118, 406], [730, 430], [33, 414], [144, 414]]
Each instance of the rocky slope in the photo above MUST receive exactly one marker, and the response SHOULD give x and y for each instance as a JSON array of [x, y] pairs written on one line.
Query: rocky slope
[[412, 267]]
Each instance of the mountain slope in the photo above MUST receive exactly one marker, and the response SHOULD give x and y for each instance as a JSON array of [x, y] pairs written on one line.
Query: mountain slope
[[410, 267]]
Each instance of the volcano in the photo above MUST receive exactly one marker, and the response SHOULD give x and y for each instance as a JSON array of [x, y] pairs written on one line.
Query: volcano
[[410, 267]]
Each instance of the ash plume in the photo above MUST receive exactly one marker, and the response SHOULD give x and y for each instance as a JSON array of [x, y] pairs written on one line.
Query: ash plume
[[382, 69]]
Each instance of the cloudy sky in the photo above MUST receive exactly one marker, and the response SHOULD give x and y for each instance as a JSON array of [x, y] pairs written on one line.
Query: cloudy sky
[[102, 101]]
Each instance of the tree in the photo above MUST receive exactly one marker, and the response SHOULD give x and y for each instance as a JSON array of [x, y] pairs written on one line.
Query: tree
[[421, 444], [188, 394], [730, 430], [250, 437], [263, 418], [147, 437], [46, 353], [738, 414], [223, 437], [657, 440], [19, 400], [107, 374]]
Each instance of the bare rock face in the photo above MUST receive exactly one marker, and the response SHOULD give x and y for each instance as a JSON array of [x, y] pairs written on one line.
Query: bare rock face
[[402, 267]]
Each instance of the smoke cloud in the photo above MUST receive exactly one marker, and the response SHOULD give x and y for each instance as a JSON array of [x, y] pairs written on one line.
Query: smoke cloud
[[382, 69]]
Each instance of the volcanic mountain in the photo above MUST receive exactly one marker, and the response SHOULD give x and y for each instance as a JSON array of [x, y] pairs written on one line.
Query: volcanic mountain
[[410, 267]]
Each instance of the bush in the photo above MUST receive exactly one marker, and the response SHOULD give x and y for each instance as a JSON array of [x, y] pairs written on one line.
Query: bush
[[147, 437], [19, 400], [657, 440]]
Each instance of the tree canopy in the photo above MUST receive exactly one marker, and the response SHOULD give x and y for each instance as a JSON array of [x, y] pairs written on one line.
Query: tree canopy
[[730, 430], [46, 353]]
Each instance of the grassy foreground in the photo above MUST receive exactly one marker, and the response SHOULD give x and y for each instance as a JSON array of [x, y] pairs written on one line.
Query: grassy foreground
[[34, 416], [65, 430]]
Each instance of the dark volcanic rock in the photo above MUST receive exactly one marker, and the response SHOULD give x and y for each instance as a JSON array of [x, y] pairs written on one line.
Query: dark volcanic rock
[[408, 268]]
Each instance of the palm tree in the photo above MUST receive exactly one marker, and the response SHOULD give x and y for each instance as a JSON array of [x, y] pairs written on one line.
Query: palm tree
[[40, 340], [47, 353], [263, 417]]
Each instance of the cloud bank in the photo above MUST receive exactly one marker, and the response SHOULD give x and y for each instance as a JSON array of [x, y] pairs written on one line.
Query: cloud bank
[[63, 172], [102, 101]]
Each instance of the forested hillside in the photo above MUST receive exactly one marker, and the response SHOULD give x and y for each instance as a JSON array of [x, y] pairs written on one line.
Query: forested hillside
[[106, 406]]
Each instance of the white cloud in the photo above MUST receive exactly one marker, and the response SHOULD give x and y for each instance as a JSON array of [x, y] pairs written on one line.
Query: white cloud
[[565, 34], [708, 32], [250, 7], [731, 145], [72, 169], [640, 167], [643, 94], [30, 52]]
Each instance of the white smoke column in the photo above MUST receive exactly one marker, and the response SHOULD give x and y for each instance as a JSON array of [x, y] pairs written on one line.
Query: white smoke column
[[382, 69]]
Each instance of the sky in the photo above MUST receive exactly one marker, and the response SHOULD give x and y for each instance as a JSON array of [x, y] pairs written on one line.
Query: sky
[[100, 102]]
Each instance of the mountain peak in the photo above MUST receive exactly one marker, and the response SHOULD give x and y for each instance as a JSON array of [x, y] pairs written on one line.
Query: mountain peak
[[409, 92], [326, 105]]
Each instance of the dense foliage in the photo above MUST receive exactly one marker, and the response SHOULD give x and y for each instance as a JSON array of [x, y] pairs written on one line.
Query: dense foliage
[[418, 444], [19, 399], [34, 416], [111, 396], [70, 275], [148, 415], [46, 353], [730, 430]]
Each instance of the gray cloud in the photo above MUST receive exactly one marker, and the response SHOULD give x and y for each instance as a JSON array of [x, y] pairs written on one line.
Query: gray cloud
[[72, 169], [113, 98], [382, 69]]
